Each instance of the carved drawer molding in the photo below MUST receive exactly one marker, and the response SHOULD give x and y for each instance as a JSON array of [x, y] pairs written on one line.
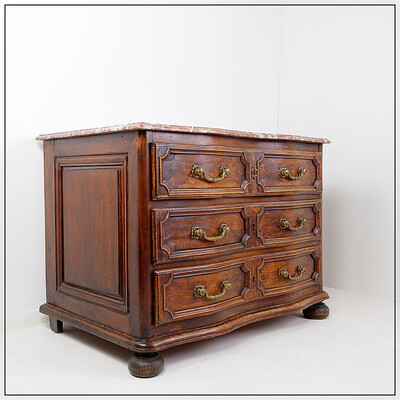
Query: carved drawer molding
[[274, 169], [180, 233], [289, 223], [289, 272], [176, 290], [198, 171]]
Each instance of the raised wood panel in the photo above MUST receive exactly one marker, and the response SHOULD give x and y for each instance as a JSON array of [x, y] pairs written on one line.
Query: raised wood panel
[[172, 232], [268, 166], [268, 228], [91, 228], [174, 289], [269, 282], [172, 166]]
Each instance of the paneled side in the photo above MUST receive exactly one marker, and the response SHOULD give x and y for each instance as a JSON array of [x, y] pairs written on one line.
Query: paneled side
[[91, 202]]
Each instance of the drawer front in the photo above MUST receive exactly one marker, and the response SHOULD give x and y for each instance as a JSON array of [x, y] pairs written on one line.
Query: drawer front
[[184, 171], [289, 223], [191, 292], [198, 232], [289, 173], [198, 171], [188, 292], [285, 274]]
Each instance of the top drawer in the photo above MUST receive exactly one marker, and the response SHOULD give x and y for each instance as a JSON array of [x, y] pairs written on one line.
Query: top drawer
[[193, 171]]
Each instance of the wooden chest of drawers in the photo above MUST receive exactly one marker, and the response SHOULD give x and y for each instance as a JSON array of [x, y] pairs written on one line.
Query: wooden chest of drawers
[[161, 235]]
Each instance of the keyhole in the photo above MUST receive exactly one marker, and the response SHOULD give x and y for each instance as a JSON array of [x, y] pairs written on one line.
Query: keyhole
[[254, 280], [253, 227]]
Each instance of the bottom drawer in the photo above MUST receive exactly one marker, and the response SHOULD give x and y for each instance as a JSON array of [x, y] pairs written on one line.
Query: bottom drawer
[[279, 276], [187, 292], [192, 291]]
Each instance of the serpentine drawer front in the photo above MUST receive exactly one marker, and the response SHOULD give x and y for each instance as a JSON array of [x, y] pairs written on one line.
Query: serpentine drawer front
[[189, 292], [182, 233], [159, 235], [205, 171]]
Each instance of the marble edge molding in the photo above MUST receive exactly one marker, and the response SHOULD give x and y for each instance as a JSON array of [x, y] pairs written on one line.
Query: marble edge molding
[[144, 126]]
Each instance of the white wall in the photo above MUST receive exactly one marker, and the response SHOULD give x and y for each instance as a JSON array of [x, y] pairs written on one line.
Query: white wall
[[71, 68], [337, 82]]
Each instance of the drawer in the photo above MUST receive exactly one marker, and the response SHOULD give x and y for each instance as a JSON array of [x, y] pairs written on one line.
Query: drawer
[[180, 233], [289, 272], [289, 223], [198, 171], [181, 171], [197, 291], [286, 173]]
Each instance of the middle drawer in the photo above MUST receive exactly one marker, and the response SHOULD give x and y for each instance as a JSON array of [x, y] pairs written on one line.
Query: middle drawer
[[181, 233]]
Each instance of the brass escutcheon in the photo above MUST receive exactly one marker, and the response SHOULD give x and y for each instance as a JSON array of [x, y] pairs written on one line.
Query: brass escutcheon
[[254, 172]]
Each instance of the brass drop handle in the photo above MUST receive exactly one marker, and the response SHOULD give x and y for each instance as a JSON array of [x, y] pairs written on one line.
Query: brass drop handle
[[200, 291], [198, 173], [285, 224], [284, 173], [198, 233], [284, 273]]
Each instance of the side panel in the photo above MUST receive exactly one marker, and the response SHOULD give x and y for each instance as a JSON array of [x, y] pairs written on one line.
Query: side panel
[[91, 228], [91, 209]]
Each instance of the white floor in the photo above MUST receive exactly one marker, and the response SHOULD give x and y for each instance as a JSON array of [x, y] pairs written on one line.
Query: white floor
[[349, 353]]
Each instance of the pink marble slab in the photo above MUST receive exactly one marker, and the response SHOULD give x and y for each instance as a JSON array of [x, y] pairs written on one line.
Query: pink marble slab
[[144, 126]]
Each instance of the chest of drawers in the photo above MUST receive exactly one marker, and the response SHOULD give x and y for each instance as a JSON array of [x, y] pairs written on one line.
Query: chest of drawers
[[160, 235]]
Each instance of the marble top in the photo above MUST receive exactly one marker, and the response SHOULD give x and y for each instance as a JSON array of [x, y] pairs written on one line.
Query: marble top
[[144, 126]]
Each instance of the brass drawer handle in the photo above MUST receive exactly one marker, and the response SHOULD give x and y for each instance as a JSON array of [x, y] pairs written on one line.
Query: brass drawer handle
[[284, 173], [198, 233], [285, 224], [200, 291], [198, 173], [284, 273]]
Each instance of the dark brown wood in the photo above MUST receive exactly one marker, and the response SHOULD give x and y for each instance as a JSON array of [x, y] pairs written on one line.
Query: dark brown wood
[[175, 337], [172, 231], [56, 325], [145, 365], [317, 311], [270, 163], [121, 262]]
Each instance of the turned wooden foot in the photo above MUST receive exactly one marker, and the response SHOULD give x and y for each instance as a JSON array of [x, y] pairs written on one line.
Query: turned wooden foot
[[56, 325], [317, 311], [145, 365]]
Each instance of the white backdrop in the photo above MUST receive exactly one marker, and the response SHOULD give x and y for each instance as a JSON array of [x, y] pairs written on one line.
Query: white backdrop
[[337, 81], [71, 68]]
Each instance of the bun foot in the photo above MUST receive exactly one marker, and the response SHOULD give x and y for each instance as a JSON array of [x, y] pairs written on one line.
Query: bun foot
[[317, 311], [145, 365], [56, 325]]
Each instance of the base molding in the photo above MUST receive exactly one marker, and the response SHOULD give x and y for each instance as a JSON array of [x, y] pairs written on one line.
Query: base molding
[[162, 343]]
